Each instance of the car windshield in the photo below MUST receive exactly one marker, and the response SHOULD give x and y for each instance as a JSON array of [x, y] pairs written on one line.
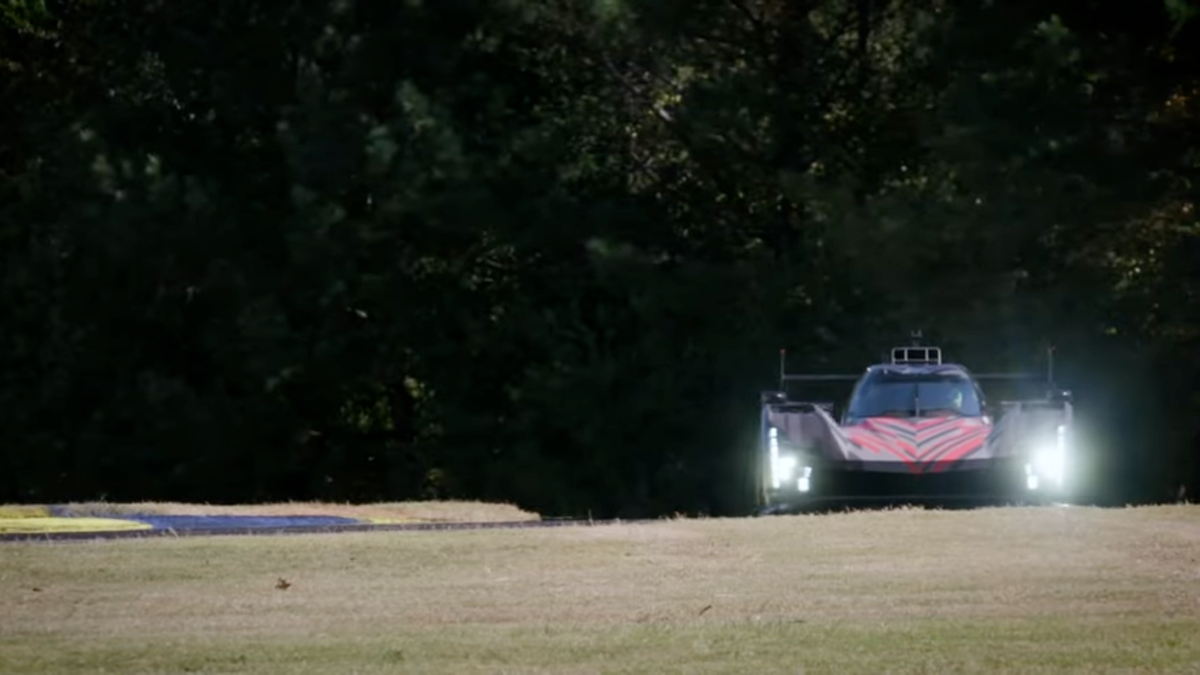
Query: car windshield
[[924, 395]]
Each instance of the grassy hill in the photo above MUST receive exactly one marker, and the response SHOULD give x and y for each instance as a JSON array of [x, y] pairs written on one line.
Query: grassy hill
[[1039, 590]]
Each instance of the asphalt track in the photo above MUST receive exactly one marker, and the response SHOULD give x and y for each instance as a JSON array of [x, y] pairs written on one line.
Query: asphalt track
[[302, 529]]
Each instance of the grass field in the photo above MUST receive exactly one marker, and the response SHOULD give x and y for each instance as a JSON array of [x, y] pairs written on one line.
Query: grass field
[[1051, 590]]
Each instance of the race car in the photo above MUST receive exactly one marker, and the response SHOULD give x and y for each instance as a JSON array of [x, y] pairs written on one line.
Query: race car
[[915, 429]]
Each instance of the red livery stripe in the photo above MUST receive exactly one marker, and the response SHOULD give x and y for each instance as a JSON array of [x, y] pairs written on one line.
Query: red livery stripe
[[926, 445]]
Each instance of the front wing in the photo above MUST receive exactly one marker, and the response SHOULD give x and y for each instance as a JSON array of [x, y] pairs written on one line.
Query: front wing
[[918, 446], [809, 456]]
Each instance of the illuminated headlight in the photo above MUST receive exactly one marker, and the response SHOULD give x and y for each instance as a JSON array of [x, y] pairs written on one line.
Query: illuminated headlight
[[783, 466], [1050, 461], [782, 469], [804, 484]]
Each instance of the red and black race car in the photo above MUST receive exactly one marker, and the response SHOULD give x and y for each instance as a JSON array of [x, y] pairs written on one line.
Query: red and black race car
[[914, 430]]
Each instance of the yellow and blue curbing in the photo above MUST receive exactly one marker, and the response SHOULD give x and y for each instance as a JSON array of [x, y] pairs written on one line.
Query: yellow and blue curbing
[[37, 519], [40, 519], [55, 525]]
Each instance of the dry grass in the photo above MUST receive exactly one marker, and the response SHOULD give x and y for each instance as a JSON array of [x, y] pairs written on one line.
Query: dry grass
[[432, 511], [15, 511], [1004, 590]]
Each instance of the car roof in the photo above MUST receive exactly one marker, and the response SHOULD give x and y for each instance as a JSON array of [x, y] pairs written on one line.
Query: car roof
[[918, 369]]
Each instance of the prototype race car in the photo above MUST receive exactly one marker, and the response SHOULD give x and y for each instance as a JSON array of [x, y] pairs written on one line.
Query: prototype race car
[[915, 429]]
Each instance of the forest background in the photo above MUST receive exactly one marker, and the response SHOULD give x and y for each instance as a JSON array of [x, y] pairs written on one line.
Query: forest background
[[547, 252]]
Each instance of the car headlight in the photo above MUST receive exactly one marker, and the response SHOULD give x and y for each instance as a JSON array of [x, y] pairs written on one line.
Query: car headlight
[[1050, 460], [804, 484], [783, 466]]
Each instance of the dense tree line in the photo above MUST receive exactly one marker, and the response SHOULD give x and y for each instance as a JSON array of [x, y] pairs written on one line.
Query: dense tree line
[[548, 251]]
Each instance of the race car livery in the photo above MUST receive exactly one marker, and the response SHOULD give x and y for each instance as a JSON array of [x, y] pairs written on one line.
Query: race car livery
[[914, 426]]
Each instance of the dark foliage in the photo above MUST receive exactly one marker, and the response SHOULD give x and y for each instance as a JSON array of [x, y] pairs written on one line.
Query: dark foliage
[[547, 251]]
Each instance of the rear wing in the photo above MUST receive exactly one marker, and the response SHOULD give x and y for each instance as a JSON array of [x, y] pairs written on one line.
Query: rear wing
[[921, 355], [785, 377], [778, 399], [911, 356], [1054, 393]]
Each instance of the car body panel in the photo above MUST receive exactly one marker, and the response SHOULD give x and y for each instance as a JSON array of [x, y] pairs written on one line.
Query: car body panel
[[907, 440]]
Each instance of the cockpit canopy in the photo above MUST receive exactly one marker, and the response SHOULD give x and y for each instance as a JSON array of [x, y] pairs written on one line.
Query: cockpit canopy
[[915, 392]]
